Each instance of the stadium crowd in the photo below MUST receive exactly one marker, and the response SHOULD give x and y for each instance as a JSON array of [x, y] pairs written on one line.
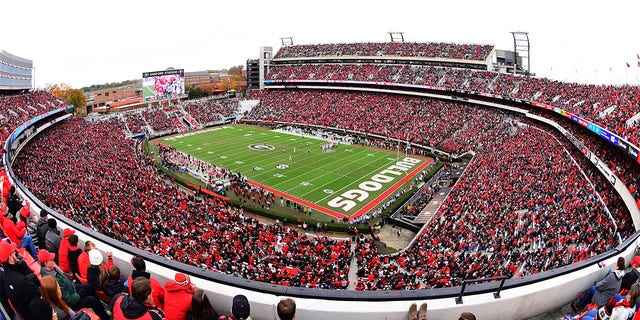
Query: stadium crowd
[[606, 105], [18, 109], [160, 120], [539, 212], [381, 49], [95, 184], [480, 231], [504, 220], [411, 119]]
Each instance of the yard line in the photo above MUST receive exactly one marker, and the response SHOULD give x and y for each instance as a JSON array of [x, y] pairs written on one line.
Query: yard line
[[316, 168], [235, 146], [365, 177], [360, 159]]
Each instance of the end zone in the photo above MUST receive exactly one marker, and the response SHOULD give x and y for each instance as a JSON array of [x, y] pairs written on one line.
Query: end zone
[[372, 204]]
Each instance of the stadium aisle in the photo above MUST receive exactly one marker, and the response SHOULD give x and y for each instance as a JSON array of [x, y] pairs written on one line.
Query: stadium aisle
[[353, 269]]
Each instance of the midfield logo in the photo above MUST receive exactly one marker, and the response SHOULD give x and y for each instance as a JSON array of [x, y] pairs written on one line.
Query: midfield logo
[[261, 147]]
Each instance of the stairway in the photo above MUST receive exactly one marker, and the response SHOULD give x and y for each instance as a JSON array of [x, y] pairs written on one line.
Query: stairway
[[425, 215]]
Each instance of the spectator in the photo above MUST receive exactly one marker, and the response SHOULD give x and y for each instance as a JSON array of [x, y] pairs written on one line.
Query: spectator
[[63, 252], [51, 293], [17, 233], [139, 270], [467, 316], [630, 277], [76, 296], [41, 230], [618, 308], [137, 305], [178, 296], [97, 271], [30, 221], [200, 308], [286, 309], [113, 284], [41, 309], [4, 211], [83, 259], [240, 309], [74, 254], [13, 202], [53, 237], [19, 284], [604, 290]]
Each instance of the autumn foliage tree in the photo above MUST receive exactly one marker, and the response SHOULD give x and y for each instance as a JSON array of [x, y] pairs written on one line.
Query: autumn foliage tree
[[68, 94]]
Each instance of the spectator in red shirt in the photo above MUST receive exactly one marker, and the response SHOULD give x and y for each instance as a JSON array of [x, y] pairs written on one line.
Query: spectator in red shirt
[[178, 296], [17, 233], [139, 270], [83, 259], [63, 252]]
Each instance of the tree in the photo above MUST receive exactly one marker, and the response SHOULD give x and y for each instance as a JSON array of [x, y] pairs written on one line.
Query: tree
[[237, 70], [59, 90], [68, 94], [76, 98], [195, 93]]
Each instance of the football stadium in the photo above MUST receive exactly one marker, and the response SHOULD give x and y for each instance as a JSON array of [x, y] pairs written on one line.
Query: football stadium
[[519, 193]]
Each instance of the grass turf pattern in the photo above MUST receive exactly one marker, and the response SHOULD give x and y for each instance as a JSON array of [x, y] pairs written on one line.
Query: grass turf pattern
[[337, 182]]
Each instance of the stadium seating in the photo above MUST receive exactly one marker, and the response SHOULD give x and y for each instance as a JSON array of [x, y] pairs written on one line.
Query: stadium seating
[[526, 204], [15, 110], [498, 189], [383, 49], [130, 202], [158, 211], [606, 105]]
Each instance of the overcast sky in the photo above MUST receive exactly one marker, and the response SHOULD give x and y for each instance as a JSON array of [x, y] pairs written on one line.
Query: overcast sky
[[92, 42]]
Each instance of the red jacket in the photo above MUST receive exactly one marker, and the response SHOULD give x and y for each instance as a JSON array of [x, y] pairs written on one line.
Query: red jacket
[[13, 231], [83, 264], [177, 300], [63, 255]]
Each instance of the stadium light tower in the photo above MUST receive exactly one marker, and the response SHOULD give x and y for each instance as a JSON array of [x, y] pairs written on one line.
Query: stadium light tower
[[396, 36], [286, 41], [522, 48]]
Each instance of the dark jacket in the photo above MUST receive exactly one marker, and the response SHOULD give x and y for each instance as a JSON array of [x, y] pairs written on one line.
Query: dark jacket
[[113, 287], [93, 277], [52, 240], [629, 278], [20, 285], [157, 289], [41, 234], [74, 254], [124, 306]]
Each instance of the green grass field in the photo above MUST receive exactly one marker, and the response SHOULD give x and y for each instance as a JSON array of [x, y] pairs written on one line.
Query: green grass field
[[347, 181], [148, 91]]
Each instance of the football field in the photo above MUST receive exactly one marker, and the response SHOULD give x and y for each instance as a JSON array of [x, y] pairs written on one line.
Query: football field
[[343, 181]]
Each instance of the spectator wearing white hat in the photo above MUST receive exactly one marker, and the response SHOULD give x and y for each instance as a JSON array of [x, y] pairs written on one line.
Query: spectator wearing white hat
[[97, 271]]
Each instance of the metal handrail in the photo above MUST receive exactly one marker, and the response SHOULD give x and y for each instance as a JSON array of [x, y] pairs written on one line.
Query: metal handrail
[[495, 294]]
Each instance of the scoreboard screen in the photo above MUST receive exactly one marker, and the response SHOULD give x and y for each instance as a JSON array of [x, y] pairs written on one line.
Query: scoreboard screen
[[162, 85]]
